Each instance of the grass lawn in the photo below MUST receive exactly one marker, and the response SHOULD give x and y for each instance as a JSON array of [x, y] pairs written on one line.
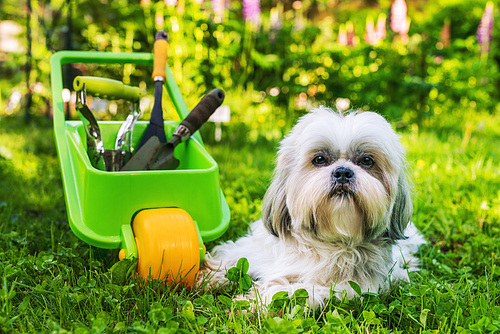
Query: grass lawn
[[52, 282]]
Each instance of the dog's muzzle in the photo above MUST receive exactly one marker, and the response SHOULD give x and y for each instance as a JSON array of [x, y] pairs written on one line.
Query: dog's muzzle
[[343, 175], [343, 182]]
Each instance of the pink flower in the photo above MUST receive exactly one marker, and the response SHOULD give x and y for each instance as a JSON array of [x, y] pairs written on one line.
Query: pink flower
[[170, 2], [398, 16], [159, 19], [445, 35], [251, 11], [342, 38], [370, 34], [380, 29], [399, 20], [351, 35], [347, 36], [484, 31], [218, 7]]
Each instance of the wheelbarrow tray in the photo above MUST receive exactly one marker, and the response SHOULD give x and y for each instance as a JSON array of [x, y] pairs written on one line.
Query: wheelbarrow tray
[[100, 204]]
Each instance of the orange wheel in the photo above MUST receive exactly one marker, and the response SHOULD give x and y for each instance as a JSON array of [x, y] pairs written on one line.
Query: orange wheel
[[167, 245]]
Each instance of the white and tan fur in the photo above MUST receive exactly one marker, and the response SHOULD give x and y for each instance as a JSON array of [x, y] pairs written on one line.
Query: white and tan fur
[[337, 210]]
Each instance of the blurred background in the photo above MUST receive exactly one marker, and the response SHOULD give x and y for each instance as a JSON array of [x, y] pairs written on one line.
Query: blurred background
[[419, 63]]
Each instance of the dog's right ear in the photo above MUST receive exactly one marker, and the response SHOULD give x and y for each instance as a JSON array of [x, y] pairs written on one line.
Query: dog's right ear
[[402, 210], [275, 213]]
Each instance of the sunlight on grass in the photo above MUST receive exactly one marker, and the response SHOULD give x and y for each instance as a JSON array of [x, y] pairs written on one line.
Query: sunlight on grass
[[54, 281], [29, 167]]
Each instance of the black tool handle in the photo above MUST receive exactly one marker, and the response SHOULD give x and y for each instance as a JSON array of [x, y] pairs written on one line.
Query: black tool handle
[[203, 110]]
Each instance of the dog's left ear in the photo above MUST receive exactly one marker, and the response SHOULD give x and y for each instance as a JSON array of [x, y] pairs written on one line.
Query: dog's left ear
[[401, 211], [275, 213]]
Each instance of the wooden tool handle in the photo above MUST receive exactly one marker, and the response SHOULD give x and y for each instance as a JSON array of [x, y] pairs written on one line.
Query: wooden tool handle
[[160, 50]]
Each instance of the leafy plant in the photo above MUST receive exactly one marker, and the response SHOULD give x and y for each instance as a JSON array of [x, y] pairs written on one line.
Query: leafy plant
[[282, 68], [239, 276], [123, 270]]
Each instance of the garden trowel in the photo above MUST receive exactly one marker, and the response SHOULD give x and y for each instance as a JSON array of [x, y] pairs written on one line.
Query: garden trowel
[[154, 155]]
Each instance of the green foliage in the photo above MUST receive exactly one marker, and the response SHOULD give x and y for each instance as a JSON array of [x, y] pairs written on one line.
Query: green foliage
[[282, 302], [239, 276], [273, 75], [122, 271]]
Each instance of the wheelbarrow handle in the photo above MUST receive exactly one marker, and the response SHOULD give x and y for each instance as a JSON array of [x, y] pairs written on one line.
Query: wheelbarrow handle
[[107, 88]]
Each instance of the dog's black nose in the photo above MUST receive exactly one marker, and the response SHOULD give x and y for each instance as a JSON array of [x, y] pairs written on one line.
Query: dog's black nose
[[343, 174]]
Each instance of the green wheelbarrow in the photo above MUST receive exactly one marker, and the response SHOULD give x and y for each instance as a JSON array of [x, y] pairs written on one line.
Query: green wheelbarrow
[[160, 217]]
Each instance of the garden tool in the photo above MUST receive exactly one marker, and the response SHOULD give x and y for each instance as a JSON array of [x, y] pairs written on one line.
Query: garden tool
[[156, 126], [140, 160], [112, 159], [95, 145], [157, 156], [164, 158], [105, 88], [124, 137], [100, 158]]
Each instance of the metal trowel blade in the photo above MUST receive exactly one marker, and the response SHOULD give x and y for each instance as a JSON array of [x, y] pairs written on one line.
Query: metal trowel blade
[[141, 159], [164, 159]]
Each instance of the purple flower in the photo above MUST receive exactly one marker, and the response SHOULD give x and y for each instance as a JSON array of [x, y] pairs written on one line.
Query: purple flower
[[351, 34], [275, 17], [484, 31], [251, 11], [218, 7]]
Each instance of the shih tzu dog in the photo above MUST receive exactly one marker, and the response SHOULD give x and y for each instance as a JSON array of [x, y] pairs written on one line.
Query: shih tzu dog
[[338, 210]]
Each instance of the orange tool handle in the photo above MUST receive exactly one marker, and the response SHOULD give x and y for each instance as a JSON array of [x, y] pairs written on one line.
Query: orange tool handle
[[160, 49]]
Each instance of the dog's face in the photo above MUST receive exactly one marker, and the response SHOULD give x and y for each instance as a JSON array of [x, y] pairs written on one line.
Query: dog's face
[[339, 178]]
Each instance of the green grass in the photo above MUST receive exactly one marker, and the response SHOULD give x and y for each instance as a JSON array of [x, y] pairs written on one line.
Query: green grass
[[50, 281]]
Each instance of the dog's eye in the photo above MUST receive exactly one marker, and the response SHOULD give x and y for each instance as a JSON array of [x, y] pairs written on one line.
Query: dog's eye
[[319, 160], [366, 162]]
